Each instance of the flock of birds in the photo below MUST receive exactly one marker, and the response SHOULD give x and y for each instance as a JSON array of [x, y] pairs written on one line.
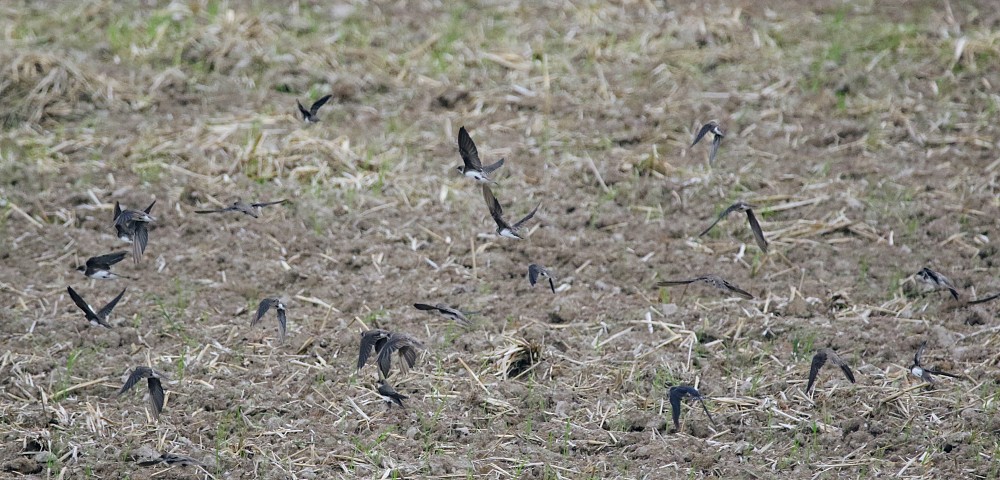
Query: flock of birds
[[132, 226]]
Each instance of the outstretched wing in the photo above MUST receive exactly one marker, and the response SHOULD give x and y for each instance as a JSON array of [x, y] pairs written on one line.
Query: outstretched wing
[[424, 306], [140, 239], [103, 314], [758, 234], [305, 113], [667, 283], [105, 261], [118, 212], [920, 351], [496, 211], [318, 103], [840, 362], [730, 209], [527, 217], [156, 396], [819, 359], [78, 300], [490, 168], [266, 204], [533, 271], [138, 373], [737, 290], [371, 339], [715, 148], [467, 149], [282, 324], [676, 393], [262, 309], [701, 133]]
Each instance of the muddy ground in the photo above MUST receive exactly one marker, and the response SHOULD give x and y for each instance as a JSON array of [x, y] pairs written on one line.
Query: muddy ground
[[866, 135]]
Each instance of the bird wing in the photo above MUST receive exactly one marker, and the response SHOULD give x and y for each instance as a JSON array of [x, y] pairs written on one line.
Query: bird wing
[[371, 339], [533, 271], [319, 103], [78, 300], [552, 285], [844, 367], [496, 211], [737, 290], [282, 324], [118, 212], [675, 405], [985, 299], [227, 209], [150, 207], [265, 204], [667, 283], [920, 351], [758, 234], [156, 396], [730, 209], [716, 141], [488, 169], [103, 314], [262, 309], [467, 149], [819, 359], [424, 306], [702, 132], [305, 113], [527, 217], [140, 235], [705, 408], [138, 373], [105, 261]]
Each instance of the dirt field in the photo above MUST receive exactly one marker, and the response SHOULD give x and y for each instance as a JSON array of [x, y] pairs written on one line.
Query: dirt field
[[866, 135]]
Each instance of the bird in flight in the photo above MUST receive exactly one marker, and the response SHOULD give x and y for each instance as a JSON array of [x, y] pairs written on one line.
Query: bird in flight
[[171, 459], [820, 358], [252, 209], [156, 395], [937, 281], [100, 267], [715, 281], [398, 342], [535, 271], [677, 394], [371, 340], [717, 134], [99, 317], [262, 309], [309, 116], [924, 373], [131, 226], [448, 312], [742, 206], [471, 166], [504, 229], [390, 395]]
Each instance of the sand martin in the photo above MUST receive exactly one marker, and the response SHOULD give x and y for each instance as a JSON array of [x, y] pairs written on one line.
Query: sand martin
[[820, 358], [712, 280], [99, 317], [936, 280], [504, 229], [171, 459], [471, 166], [152, 377], [924, 373], [266, 305], [252, 209], [406, 346], [371, 340], [309, 116], [132, 228], [100, 267], [676, 395], [717, 134], [390, 395], [446, 311], [742, 206], [535, 271]]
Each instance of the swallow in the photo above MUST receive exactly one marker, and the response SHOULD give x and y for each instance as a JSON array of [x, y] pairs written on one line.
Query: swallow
[[937, 281], [742, 206], [252, 209], [717, 134], [504, 229], [534, 271], [99, 317], [371, 340], [266, 305], [471, 166], [132, 227], [390, 395], [309, 116], [925, 373], [820, 359], [100, 267], [712, 280], [171, 459], [985, 299], [156, 395], [676, 395], [406, 346], [448, 312]]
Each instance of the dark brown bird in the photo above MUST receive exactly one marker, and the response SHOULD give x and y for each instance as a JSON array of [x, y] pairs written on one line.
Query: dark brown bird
[[262, 309], [309, 116], [924, 373], [132, 227], [712, 280], [100, 267], [742, 206], [390, 395], [820, 358], [99, 317], [677, 394], [471, 166], [535, 271], [717, 134], [505, 229], [252, 209], [156, 395], [937, 281]]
